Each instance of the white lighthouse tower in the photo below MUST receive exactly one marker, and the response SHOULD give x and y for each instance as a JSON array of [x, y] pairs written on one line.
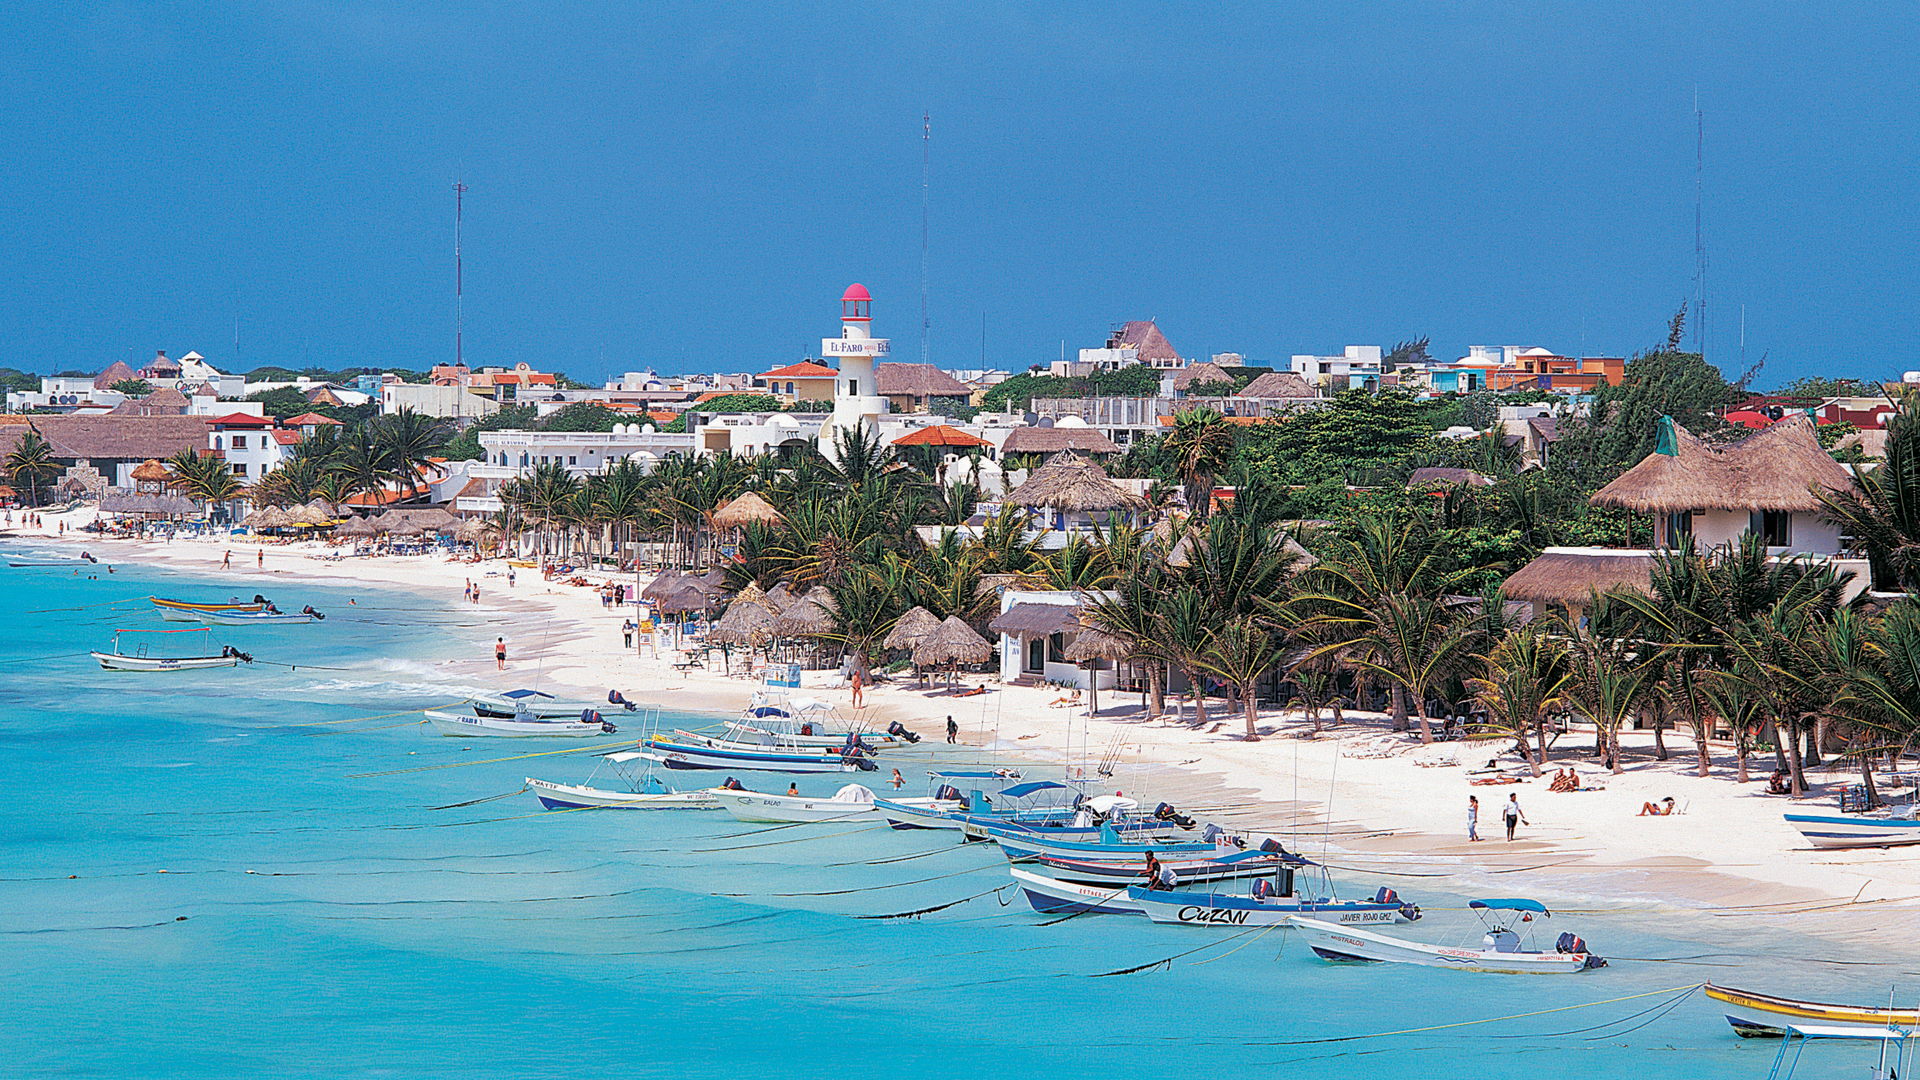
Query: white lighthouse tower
[[856, 396]]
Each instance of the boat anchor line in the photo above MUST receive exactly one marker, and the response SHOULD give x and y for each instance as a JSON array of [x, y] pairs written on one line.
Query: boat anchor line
[[1688, 989], [477, 802], [380, 716], [945, 906], [356, 731]]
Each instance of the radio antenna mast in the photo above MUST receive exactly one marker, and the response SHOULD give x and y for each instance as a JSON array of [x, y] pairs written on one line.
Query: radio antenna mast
[[1699, 236], [926, 139], [459, 318]]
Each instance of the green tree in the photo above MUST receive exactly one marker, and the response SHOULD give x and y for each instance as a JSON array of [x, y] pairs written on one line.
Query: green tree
[[283, 402], [408, 442], [1526, 676], [1882, 510], [31, 464], [133, 388], [1623, 424], [1202, 445]]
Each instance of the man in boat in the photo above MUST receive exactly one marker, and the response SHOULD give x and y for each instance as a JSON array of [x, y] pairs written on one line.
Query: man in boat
[[793, 789]]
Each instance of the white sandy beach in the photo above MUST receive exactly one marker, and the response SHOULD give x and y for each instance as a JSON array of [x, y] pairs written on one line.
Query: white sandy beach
[[1373, 800]]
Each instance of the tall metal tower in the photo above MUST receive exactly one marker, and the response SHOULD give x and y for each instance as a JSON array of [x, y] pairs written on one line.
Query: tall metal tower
[[1699, 236], [926, 139], [459, 319]]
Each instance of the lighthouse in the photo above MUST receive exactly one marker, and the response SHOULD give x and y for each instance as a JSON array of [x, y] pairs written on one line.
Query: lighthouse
[[856, 396]]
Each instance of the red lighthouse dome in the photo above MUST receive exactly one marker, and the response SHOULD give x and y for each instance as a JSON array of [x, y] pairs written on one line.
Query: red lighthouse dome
[[856, 304]]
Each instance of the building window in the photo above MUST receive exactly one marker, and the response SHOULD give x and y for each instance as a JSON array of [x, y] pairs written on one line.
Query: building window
[[1776, 526], [1037, 655], [853, 387], [572, 460], [239, 468], [1056, 648], [1678, 525], [239, 442], [216, 442]]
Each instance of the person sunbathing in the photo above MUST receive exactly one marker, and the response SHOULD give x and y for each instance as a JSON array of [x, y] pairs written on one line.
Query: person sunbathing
[[1066, 702], [1656, 809]]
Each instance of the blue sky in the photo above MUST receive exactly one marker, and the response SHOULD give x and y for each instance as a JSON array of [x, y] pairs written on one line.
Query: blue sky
[[691, 186]]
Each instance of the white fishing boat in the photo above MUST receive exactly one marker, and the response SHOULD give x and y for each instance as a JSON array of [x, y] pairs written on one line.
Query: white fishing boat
[[520, 714], [256, 618], [1269, 902], [690, 750], [1890, 828], [851, 803], [644, 790], [949, 796], [1503, 948], [142, 660], [1051, 896], [1757, 1015], [189, 611], [771, 719]]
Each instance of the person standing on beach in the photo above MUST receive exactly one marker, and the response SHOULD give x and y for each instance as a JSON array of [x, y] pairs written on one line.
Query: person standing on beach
[[859, 682], [627, 628], [467, 593], [500, 653], [226, 561], [509, 577], [953, 729], [1513, 814], [260, 559], [1473, 817], [476, 592]]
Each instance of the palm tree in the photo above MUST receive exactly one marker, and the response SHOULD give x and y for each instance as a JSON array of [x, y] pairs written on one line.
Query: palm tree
[[1527, 677], [1609, 677], [1130, 611], [31, 464], [1883, 509], [408, 442], [1676, 618], [363, 465], [1201, 444], [1238, 653], [865, 605], [620, 499], [1881, 685]]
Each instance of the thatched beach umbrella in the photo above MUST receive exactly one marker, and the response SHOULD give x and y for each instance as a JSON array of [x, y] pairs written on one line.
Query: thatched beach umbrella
[[910, 629], [1090, 646], [780, 598], [747, 622], [1072, 483], [952, 642], [666, 581], [354, 528], [809, 616], [744, 510]]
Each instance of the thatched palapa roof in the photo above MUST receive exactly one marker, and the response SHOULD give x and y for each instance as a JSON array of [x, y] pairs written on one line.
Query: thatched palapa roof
[[1071, 482], [357, 527], [1052, 440], [809, 616], [1096, 645], [1037, 619], [749, 507], [1772, 469], [952, 642], [910, 629], [1434, 477], [152, 470], [748, 620], [1569, 576]]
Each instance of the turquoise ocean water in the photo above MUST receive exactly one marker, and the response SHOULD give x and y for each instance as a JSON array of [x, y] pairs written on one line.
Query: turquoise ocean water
[[198, 882]]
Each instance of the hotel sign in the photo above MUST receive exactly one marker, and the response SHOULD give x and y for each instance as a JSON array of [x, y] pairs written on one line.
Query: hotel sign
[[834, 346]]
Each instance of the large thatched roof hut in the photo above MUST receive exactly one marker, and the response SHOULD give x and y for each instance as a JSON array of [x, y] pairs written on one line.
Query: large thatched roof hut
[[909, 629], [1070, 482], [952, 642], [1567, 577], [1772, 469], [811, 615], [748, 620], [744, 510]]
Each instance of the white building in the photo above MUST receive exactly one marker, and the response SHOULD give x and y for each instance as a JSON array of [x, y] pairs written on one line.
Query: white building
[[1036, 626], [251, 446], [1355, 365], [445, 402]]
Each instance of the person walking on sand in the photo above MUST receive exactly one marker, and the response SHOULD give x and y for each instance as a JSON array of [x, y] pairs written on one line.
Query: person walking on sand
[[227, 561], [953, 729], [1473, 818], [476, 592], [500, 653], [859, 683], [1514, 815]]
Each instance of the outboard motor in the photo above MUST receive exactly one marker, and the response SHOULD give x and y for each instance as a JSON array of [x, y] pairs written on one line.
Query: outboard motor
[[865, 764], [731, 784], [1410, 912], [308, 610], [1270, 845], [258, 599], [1570, 943], [614, 697], [899, 731], [1262, 888], [1386, 896], [947, 792], [1167, 812]]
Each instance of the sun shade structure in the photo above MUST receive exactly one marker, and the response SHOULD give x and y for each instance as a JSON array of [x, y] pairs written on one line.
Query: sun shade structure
[[1569, 576], [780, 598], [356, 527], [1094, 645], [952, 642], [809, 616], [910, 629], [1071, 482], [152, 471], [1774, 469], [940, 435], [748, 620], [744, 510], [1036, 620]]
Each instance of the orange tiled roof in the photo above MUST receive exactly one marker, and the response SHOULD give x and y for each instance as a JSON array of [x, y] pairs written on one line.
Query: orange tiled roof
[[806, 369]]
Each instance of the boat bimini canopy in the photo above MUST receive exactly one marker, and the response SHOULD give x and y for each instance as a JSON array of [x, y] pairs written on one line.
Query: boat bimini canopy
[[519, 695], [1534, 906]]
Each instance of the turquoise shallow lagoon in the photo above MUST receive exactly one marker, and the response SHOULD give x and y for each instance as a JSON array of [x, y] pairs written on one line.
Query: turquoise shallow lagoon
[[197, 881]]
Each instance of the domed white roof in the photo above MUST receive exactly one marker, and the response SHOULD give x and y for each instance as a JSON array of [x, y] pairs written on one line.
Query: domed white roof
[[1069, 421], [782, 420]]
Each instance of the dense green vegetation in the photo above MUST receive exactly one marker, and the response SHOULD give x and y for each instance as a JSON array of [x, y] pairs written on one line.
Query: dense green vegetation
[[1020, 390]]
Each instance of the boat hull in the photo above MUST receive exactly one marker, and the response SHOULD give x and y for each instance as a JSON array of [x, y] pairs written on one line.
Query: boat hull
[[460, 725], [166, 605], [1855, 831], [1332, 941], [1114, 874], [714, 755], [116, 662], [1754, 1015], [1184, 908], [246, 618], [1032, 844], [568, 797], [1051, 896], [761, 807]]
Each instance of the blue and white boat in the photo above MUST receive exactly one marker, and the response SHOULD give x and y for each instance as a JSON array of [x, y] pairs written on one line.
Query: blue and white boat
[[1504, 948], [950, 796], [1267, 902], [1059, 809], [688, 750], [1136, 870], [1882, 830], [643, 790], [1104, 841]]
